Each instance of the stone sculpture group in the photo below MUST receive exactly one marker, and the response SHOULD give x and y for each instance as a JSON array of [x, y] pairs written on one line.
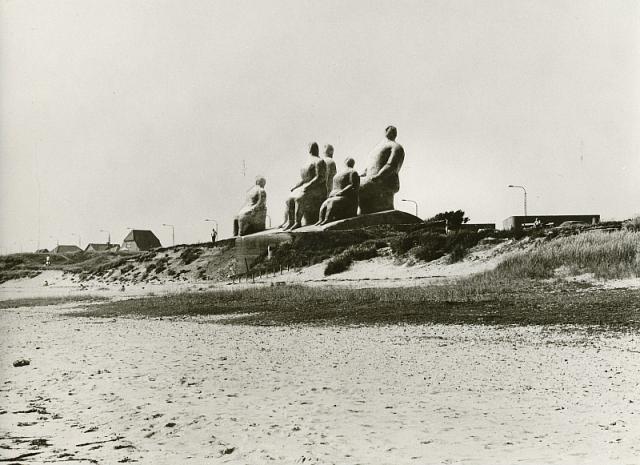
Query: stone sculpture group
[[323, 195]]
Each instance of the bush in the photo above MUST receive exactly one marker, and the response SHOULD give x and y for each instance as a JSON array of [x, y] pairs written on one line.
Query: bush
[[458, 244], [161, 264], [190, 254], [338, 264], [343, 261], [425, 245], [453, 218], [125, 269], [632, 225]]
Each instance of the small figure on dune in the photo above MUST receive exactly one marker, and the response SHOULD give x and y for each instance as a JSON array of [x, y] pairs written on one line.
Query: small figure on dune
[[331, 165], [253, 215], [343, 200], [380, 180], [307, 196]]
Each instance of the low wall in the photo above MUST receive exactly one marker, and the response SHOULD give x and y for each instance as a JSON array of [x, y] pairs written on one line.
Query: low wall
[[516, 222]]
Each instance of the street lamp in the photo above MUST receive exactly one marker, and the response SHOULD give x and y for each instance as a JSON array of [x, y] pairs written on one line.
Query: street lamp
[[413, 202], [213, 221], [525, 197], [173, 232], [108, 237], [214, 234]]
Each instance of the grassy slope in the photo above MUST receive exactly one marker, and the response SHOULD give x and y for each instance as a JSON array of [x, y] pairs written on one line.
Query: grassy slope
[[605, 254]]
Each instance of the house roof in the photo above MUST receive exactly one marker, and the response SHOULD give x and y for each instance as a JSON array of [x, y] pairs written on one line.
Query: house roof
[[66, 249], [98, 247], [143, 238]]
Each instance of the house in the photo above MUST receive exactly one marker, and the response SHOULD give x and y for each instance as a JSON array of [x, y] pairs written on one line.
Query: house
[[66, 249], [140, 239], [102, 248]]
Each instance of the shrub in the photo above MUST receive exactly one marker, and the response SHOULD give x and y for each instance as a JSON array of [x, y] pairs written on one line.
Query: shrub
[[632, 225], [125, 269], [453, 218], [161, 264], [190, 254], [343, 261], [458, 244]]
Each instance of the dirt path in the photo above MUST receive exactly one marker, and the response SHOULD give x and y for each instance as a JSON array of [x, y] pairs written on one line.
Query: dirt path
[[193, 391]]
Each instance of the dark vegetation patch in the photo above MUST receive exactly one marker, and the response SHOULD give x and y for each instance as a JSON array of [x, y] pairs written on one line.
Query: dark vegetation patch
[[190, 254], [343, 260], [45, 301], [525, 302]]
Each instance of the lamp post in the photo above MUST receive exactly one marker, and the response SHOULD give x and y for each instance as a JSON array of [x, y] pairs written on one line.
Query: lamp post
[[214, 234], [525, 197], [108, 236], [212, 221], [173, 232], [413, 202]]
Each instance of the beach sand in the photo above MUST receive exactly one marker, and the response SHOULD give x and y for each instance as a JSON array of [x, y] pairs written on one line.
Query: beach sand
[[190, 390]]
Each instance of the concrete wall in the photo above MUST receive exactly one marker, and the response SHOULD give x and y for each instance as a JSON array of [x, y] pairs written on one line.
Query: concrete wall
[[477, 226], [516, 222], [249, 248]]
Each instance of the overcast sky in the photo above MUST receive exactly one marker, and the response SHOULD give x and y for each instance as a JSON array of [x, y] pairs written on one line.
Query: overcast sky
[[117, 114]]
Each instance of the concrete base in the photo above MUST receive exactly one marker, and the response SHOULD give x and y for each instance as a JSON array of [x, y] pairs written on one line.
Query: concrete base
[[362, 221], [249, 248]]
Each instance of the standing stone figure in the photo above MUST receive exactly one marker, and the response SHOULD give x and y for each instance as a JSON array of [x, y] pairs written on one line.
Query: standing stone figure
[[309, 193], [381, 182], [343, 200], [331, 165], [252, 216]]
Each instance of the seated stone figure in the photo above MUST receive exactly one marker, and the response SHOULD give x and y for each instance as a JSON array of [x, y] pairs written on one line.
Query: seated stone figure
[[380, 180], [343, 200], [252, 216], [331, 165], [308, 194]]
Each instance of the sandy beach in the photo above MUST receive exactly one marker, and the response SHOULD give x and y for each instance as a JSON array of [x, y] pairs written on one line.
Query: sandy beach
[[189, 390]]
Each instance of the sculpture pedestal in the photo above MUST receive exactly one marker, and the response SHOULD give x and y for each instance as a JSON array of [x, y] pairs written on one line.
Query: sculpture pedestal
[[362, 221], [249, 248]]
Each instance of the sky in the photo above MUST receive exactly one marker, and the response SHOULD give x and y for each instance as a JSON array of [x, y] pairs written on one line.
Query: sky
[[133, 114]]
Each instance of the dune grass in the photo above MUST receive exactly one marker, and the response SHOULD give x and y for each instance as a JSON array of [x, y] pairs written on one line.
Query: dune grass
[[605, 254]]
